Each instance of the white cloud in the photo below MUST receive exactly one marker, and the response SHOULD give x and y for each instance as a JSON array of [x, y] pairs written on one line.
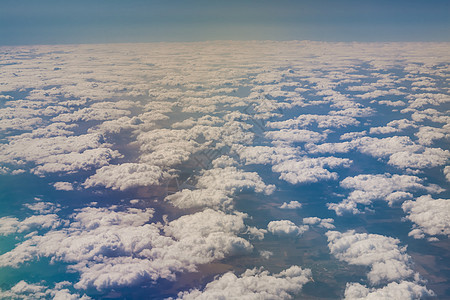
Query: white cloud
[[286, 227], [291, 205], [324, 223], [213, 198], [310, 169], [266, 154], [253, 284], [420, 100], [447, 172], [400, 151], [43, 207], [393, 126], [215, 188], [10, 225], [125, 176], [352, 135], [322, 121], [59, 153], [295, 136], [387, 260], [430, 216], [24, 290], [427, 134], [367, 188], [354, 112], [63, 186], [404, 290], [120, 248], [232, 179]]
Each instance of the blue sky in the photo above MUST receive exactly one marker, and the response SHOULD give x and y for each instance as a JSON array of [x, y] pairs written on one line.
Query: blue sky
[[81, 21]]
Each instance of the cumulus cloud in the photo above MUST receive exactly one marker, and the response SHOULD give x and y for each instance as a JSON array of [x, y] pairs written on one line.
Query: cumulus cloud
[[393, 126], [253, 284], [120, 248], [387, 187], [307, 170], [125, 176], [215, 188], [71, 112], [286, 228], [266, 154], [187, 198], [403, 290], [291, 205], [295, 136], [232, 179], [10, 225], [24, 290], [322, 121], [324, 223], [400, 151], [447, 172], [59, 153], [387, 260], [63, 186], [427, 134], [430, 216]]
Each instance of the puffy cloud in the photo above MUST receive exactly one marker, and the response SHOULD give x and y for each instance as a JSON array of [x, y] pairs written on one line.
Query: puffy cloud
[[24, 290], [232, 179], [392, 103], [430, 157], [215, 188], [213, 198], [325, 223], [63, 186], [291, 205], [387, 260], [310, 169], [286, 227], [295, 136], [403, 290], [430, 216], [253, 284], [59, 153], [354, 112], [420, 100], [447, 172], [352, 135], [322, 121], [10, 225], [43, 207], [223, 161], [379, 93], [427, 134], [400, 151], [120, 248], [97, 111], [393, 126], [125, 176], [71, 162], [266, 154], [367, 188]]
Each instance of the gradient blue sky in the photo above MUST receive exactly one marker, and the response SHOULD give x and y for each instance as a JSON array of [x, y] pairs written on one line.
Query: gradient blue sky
[[99, 21]]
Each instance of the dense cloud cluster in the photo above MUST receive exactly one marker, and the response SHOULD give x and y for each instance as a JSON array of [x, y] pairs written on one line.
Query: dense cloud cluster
[[253, 284], [120, 248], [24, 290], [387, 187], [389, 265], [202, 120], [430, 216]]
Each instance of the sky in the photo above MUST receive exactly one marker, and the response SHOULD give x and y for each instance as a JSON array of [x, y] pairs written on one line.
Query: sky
[[25, 22]]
